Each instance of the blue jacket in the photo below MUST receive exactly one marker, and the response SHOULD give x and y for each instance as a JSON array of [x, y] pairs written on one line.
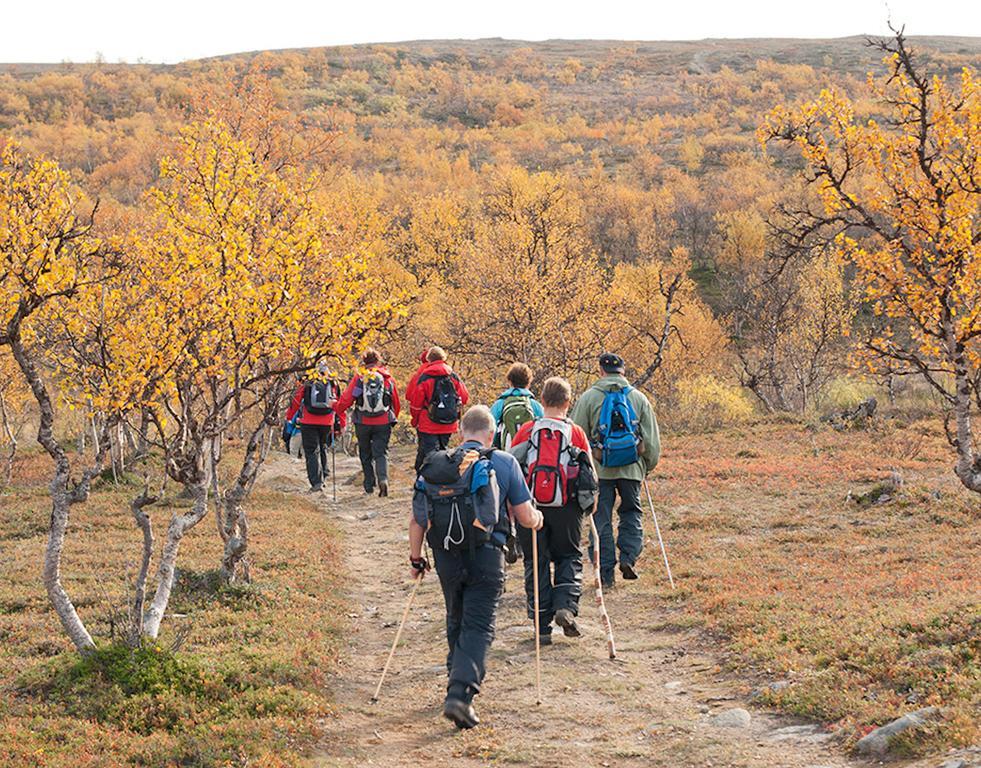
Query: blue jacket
[[498, 407]]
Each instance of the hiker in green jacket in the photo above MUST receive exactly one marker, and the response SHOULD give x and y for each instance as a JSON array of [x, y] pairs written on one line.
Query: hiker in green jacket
[[622, 429]]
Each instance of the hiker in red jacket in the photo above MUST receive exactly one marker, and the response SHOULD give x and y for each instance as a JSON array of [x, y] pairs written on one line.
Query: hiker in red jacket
[[555, 456], [436, 397], [318, 421], [376, 409]]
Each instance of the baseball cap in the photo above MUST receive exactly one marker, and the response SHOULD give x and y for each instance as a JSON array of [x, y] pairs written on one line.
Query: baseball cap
[[611, 363]]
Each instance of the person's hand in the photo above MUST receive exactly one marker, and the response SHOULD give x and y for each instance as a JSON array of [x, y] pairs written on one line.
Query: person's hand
[[420, 566], [539, 520]]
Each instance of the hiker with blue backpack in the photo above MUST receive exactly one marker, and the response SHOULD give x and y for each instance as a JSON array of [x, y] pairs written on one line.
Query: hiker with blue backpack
[[436, 398], [626, 445], [375, 400], [314, 400], [555, 456], [460, 506]]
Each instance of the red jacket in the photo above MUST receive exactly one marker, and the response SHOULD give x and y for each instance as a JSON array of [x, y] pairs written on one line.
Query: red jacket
[[419, 395], [353, 392], [321, 420]]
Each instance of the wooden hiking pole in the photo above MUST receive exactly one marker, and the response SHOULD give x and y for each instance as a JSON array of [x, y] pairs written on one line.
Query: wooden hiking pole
[[600, 602], [657, 528], [333, 463], [398, 635], [538, 631]]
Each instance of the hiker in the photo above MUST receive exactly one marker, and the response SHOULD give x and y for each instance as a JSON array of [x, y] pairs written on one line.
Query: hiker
[[319, 423], [376, 409], [515, 406], [460, 505], [626, 444], [555, 456], [436, 397]]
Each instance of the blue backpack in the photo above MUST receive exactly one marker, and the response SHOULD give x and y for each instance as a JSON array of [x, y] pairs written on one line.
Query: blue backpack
[[616, 436]]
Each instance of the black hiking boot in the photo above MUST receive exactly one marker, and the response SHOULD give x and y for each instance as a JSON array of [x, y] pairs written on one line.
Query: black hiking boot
[[316, 488], [511, 550], [545, 638], [383, 488], [565, 619], [607, 584], [628, 571], [460, 713]]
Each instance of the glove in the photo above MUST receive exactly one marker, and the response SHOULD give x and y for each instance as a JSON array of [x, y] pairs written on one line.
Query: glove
[[419, 566]]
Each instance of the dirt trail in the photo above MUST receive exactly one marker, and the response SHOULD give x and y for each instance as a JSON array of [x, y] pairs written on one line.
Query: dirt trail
[[653, 707]]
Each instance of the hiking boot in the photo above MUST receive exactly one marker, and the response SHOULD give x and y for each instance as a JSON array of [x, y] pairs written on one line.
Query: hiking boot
[[316, 488], [628, 571], [511, 550], [607, 584], [460, 713], [545, 638], [565, 619], [369, 490], [383, 488]]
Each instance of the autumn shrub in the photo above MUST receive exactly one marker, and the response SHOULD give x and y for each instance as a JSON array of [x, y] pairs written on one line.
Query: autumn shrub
[[707, 402], [845, 392]]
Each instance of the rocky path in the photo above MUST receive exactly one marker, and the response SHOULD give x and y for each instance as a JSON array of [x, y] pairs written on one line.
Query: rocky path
[[663, 703]]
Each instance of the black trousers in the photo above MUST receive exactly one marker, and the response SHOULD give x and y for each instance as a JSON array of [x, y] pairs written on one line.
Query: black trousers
[[472, 587], [559, 563], [630, 530], [316, 440], [429, 443], [373, 451]]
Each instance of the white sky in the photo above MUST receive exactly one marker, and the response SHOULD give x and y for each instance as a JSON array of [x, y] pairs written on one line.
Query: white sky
[[175, 30]]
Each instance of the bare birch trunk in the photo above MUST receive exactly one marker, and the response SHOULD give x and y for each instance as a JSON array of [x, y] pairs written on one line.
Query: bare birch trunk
[[968, 467], [139, 598], [179, 525], [63, 495], [11, 438]]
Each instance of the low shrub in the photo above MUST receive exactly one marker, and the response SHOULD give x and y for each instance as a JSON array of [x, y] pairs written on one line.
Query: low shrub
[[706, 402]]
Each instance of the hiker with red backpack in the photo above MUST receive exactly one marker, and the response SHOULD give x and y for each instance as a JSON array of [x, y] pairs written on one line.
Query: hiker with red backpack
[[436, 398], [461, 505], [315, 400], [514, 407], [555, 456], [375, 399], [626, 444]]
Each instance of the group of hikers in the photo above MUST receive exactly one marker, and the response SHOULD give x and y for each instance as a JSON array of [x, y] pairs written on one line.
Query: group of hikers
[[526, 473]]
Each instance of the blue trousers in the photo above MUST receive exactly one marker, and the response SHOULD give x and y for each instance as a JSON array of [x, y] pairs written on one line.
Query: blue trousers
[[630, 533], [472, 587]]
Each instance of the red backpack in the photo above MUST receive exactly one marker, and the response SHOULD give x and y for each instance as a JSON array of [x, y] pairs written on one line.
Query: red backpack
[[551, 462]]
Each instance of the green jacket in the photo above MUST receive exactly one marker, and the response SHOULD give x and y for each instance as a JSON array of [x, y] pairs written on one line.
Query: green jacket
[[586, 414]]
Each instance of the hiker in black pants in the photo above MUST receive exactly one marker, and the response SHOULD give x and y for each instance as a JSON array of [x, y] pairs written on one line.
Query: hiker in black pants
[[554, 452], [470, 570], [436, 398], [318, 422], [376, 409]]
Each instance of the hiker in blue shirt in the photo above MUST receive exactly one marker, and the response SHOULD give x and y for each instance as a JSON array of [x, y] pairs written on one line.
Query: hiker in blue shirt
[[467, 532], [519, 379]]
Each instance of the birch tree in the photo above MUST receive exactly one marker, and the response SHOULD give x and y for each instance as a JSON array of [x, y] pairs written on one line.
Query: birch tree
[[901, 196]]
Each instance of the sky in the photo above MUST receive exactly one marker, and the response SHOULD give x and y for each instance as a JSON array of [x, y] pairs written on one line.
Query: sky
[[177, 30]]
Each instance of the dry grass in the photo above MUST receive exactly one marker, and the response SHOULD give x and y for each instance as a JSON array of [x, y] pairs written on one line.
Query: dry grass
[[268, 648], [868, 611]]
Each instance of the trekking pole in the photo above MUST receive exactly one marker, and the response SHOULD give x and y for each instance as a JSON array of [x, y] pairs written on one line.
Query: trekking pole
[[600, 602], [333, 464], [657, 528], [398, 635], [538, 633]]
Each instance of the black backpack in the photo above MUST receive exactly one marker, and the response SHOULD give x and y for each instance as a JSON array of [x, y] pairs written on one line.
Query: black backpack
[[319, 398], [459, 489], [444, 405]]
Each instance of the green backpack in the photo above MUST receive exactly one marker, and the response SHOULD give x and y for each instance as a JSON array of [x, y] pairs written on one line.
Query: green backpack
[[516, 411]]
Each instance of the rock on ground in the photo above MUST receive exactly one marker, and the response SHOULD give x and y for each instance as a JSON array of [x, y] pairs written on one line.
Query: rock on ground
[[878, 741], [731, 718]]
